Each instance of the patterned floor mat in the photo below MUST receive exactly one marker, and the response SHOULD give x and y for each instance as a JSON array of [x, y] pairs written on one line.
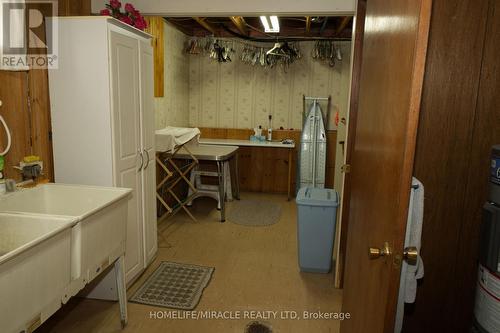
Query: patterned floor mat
[[174, 285]]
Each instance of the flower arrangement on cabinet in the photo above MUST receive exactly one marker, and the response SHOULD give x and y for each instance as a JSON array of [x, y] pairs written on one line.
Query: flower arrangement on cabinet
[[130, 15]]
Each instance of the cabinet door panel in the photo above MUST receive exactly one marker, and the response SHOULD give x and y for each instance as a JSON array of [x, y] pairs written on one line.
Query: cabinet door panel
[[149, 174], [127, 140], [134, 258], [147, 97], [150, 226]]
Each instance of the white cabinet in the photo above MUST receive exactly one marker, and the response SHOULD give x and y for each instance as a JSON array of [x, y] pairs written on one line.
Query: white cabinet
[[103, 122], [148, 144]]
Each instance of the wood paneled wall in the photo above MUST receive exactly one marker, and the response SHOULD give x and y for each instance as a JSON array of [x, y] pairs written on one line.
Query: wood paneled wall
[[13, 94], [156, 29], [29, 122], [266, 169], [459, 121], [74, 7]]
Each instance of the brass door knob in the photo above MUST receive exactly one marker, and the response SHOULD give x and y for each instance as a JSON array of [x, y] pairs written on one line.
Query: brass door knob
[[375, 252], [410, 254]]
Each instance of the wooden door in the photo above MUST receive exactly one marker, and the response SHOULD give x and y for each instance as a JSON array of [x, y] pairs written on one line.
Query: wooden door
[[148, 136], [343, 226], [394, 47], [127, 141]]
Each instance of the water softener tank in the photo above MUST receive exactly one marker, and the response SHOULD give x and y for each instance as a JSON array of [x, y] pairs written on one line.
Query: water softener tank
[[487, 306]]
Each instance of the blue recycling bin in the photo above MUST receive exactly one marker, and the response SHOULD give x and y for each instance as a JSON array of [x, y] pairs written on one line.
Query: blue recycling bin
[[316, 218]]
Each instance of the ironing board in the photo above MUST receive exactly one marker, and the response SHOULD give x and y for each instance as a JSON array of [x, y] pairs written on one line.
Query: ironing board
[[312, 166], [219, 154], [169, 141]]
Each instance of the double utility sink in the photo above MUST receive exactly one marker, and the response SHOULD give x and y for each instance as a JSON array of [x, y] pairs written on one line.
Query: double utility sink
[[54, 240]]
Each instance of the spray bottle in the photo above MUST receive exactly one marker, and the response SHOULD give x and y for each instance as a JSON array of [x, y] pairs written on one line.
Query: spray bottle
[[270, 129]]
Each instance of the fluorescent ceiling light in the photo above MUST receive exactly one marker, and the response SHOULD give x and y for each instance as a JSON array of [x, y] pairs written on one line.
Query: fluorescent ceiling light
[[265, 23], [275, 24], [273, 27]]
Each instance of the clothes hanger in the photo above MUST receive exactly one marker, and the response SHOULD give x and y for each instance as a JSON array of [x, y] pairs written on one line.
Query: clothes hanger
[[276, 48]]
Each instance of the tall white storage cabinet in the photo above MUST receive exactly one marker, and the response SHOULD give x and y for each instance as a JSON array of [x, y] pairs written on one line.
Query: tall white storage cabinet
[[103, 123]]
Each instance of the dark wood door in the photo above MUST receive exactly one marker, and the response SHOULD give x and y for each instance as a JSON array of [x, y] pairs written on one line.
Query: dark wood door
[[394, 49]]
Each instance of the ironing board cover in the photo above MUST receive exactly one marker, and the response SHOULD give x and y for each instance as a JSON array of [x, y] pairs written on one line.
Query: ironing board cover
[[170, 137]]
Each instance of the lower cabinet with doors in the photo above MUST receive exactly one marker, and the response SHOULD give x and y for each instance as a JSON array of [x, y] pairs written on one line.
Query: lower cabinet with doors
[[102, 115]]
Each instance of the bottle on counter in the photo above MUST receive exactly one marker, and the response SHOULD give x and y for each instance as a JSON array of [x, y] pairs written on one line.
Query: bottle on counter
[[270, 129]]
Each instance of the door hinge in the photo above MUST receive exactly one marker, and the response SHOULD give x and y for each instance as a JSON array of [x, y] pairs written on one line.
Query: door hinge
[[346, 168]]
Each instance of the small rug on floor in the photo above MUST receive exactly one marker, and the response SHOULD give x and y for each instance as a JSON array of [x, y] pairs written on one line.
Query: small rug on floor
[[254, 212], [174, 285]]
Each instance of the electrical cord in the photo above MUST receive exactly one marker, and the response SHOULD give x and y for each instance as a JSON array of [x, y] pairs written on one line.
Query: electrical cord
[[7, 131]]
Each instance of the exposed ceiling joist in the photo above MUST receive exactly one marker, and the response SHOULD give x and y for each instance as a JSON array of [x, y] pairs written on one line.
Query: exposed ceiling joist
[[185, 30], [202, 21], [343, 24], [308, 24], [240, 24], [250, 26]]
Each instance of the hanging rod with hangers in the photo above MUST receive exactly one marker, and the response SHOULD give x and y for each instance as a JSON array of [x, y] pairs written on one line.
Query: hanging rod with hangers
[[282, 39]]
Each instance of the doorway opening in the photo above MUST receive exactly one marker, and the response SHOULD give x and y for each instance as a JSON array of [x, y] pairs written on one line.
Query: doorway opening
[[227, 76], [255, 274]]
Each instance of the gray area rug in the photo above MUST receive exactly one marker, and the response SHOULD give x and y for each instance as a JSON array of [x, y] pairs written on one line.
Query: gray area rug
[[254, 212], [174, 285]]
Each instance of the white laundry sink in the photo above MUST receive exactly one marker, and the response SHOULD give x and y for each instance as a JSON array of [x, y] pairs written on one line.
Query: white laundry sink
[[54, 240], [19, 233], [35, 264], [78, 201], [100, 237]]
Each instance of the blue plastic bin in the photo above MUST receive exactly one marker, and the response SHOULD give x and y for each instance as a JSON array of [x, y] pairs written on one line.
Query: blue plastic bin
[[316, 218]]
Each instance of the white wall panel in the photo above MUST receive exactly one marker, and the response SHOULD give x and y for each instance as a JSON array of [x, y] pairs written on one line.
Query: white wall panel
[[173, 108]]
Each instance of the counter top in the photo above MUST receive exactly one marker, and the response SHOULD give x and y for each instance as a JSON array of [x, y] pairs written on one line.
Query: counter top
[[246, 143]]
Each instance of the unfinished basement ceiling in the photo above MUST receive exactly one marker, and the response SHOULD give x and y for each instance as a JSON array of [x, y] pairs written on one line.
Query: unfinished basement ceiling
[[334, 27]]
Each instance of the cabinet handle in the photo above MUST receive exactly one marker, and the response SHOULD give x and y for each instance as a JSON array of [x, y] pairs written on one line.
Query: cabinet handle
[[147, 159], [142, 159]]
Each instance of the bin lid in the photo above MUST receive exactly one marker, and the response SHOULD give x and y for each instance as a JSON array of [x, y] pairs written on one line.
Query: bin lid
[[312, 196]]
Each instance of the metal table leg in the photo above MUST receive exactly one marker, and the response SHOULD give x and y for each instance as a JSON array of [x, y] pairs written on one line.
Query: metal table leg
[[289, 173], [121, 289], [222, 192], [236, 177]]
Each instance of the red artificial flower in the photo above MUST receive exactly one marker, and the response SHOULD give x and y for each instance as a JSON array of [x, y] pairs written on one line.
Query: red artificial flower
[[115, 4], [129, 8], [126, 19], [140, 23], [135, 13], [105, 12]]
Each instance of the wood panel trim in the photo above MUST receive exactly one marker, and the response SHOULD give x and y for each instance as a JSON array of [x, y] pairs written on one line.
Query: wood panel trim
[[156, 29], [41, 126]]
